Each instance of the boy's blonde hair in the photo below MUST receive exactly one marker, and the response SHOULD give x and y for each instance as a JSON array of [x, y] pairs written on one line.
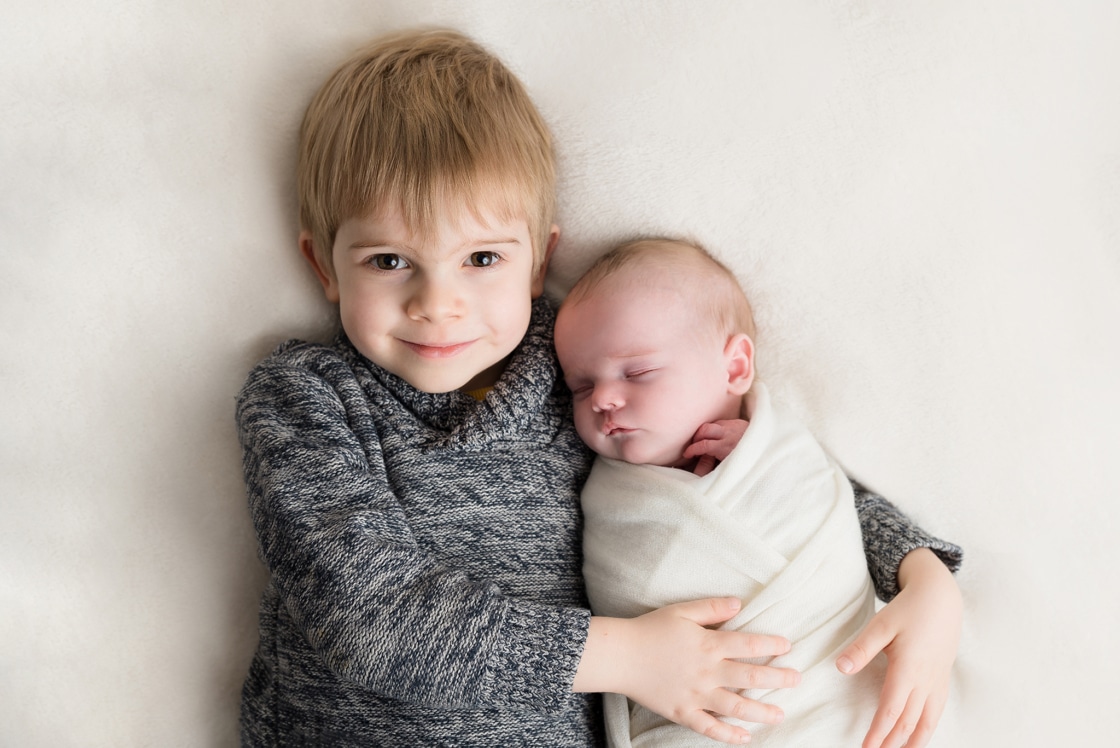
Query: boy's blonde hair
[[423, 118], [714, 291]]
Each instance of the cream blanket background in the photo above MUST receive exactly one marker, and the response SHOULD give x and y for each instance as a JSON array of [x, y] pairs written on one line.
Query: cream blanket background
[[923, 199], [775, 525]]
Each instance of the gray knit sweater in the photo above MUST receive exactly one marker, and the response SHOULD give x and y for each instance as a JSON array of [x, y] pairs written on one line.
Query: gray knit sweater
[[424, 554]]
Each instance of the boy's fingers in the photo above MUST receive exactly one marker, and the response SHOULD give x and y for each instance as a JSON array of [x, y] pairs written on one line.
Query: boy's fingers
[[709, 610], [706, 724], [730, 704], [881, 725], [741, 645], [931, 715], [894, 702], [746, 675], [905, 725]]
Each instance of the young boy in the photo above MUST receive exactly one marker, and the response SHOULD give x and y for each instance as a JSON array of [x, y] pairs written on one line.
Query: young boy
[[415, 484], [655, 342]]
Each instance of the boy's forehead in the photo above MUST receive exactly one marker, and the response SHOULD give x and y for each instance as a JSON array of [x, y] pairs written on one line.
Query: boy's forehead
[[425, 216], [449, 226]]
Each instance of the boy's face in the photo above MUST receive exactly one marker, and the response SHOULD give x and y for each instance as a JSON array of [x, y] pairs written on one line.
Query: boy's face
[[643, 377], [442, 311]]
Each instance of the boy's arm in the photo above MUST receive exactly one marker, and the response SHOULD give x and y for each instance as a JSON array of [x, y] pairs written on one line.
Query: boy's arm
[[889, 535], [342, 555], [919, 628]]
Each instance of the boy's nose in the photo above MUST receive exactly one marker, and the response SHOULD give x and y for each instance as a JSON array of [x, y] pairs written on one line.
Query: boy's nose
[[435, 300]]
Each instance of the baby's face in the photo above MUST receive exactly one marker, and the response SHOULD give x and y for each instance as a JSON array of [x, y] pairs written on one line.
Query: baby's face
[[643, 377]]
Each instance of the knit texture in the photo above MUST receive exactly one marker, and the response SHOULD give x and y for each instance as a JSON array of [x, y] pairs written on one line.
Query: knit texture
[[888, 535], [424, 554]]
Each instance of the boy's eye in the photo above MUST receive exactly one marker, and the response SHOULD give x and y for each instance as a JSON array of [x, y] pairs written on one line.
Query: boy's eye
[[483, 259], [387, 262]]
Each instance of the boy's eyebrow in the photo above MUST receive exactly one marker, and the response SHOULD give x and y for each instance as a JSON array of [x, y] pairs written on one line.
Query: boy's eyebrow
[[363, 244], [485, 242], [506, 240]]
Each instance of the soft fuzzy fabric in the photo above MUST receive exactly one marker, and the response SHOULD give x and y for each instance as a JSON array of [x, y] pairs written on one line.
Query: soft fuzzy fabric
[[922, 198], [774, 524]]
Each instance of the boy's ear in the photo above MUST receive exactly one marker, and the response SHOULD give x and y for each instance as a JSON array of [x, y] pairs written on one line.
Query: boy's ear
[[538, 280], [325, 276], [739, 355]]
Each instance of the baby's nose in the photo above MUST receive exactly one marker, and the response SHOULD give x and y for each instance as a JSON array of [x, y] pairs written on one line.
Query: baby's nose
[[605, 400]]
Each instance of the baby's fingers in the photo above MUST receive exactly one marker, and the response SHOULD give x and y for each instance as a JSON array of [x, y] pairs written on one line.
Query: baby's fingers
[[713, 430], [704, 465], [701, 447]]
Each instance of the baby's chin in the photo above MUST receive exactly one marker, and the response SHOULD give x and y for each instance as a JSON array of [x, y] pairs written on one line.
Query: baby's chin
[[640, 452]]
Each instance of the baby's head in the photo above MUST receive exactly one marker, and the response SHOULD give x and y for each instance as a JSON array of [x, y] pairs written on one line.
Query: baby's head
[[655, 340], [426, 194]]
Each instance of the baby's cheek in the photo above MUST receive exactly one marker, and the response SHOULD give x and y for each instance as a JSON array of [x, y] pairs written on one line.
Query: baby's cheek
[[588, 431]]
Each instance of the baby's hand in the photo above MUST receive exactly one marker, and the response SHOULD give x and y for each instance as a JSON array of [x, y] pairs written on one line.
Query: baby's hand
[[712, 442], [919, 631]]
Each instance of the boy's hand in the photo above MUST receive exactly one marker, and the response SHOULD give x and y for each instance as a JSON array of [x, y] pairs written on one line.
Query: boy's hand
[[919, 631], [670, 663], [712, 442]]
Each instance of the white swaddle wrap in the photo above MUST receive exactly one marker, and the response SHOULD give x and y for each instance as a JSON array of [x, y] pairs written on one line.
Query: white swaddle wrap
[[774, 524]]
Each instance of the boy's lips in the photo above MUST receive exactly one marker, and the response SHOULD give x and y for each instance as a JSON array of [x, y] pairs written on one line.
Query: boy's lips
[[437, 350], [613, 429]]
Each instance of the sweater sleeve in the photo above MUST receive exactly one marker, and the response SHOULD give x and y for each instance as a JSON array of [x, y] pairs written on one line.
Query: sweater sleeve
[[888, 535], [345, 562]]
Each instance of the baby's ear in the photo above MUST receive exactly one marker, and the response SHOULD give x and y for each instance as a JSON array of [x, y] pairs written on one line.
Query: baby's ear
[[739, 356], [325, 275]]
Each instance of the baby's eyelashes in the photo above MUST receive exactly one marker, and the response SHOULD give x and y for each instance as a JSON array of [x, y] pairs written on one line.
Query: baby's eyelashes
[[578, 389]]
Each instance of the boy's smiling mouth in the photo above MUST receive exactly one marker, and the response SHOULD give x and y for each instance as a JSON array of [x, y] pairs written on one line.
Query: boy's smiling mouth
[[437, 350]]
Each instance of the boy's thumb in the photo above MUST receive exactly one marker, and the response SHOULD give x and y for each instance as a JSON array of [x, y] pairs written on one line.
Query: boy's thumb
[[711, 610], [860, 652]]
